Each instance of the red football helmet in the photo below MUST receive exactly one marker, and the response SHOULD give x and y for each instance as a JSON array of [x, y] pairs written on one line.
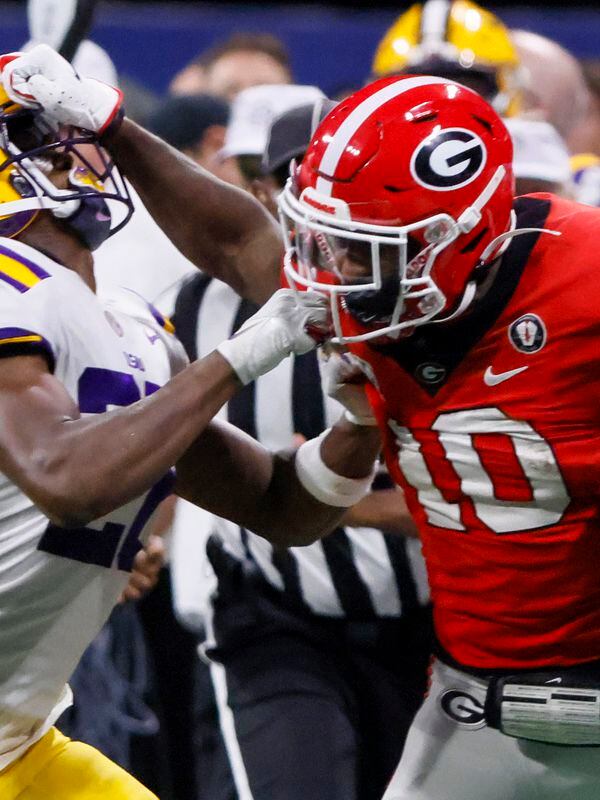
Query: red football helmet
[[401, 199]]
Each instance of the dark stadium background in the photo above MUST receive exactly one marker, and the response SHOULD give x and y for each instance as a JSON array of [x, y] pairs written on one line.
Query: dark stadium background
[[330, 45]]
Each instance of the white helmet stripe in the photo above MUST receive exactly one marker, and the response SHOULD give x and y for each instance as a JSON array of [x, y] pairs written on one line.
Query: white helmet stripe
[[434, 21], [361, 113]]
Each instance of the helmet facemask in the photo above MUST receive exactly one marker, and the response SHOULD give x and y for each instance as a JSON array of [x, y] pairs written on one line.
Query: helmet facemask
[[94, 203], [379, 274]]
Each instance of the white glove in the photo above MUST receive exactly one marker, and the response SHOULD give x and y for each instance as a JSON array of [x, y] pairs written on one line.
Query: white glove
[[276, 331], [43, 78], [343, 379]]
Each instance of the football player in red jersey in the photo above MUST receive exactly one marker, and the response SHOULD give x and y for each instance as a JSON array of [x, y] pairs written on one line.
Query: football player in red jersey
[[475, 319]]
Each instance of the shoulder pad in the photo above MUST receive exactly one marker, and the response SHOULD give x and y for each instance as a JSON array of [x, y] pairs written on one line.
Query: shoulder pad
[[130, 302]]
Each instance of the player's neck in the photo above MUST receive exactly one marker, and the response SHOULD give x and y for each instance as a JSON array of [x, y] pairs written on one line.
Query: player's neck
[[47, 236]]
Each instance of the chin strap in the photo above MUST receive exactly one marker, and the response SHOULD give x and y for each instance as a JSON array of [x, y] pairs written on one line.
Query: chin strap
[[504, 239], [495, 248], [465, 302]]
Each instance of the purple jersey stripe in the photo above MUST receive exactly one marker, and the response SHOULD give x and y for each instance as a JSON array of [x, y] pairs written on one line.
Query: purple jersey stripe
[[14, 341], [11, 333], [35, 268], [17, 284], [163, 321]]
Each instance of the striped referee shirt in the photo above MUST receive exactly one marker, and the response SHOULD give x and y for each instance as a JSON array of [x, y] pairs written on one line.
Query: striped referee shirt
[[356, 573]]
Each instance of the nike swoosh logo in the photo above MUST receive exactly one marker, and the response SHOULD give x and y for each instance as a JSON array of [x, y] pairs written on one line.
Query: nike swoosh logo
[[492, 378], [554, 680]]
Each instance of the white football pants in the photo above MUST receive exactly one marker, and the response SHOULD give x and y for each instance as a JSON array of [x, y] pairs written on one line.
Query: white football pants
[[451, 754]]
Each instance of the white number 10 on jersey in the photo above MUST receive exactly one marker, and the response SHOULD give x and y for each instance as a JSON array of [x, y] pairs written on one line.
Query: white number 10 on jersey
[[455, 432]]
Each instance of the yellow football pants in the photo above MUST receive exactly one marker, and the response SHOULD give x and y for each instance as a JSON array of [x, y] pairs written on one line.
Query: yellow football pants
[[56, 768]]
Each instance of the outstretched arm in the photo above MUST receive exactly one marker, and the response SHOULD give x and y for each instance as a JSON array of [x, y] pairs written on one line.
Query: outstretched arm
[[232, 475], [221, 229], [78, 468]]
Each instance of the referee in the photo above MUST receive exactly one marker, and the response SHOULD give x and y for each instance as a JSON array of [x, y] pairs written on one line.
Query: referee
[[317, 655]]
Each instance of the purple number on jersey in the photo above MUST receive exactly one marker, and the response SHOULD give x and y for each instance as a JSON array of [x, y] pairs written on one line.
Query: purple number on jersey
[[98, 389]]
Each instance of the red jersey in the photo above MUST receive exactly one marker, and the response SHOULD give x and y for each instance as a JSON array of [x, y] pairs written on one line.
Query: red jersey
[[492, 428]]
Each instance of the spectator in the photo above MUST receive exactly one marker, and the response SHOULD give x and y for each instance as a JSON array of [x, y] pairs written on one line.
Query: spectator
[[251, 114], [555, 89], [586, 137], [585, 142], [243, 60], [540, 157], [196, 125], [557, 92]]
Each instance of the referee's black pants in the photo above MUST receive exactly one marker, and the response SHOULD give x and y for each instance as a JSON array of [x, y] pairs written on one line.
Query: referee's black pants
[[311, 708]]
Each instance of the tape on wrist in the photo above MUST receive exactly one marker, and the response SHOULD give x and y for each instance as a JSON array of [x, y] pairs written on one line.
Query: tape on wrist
[[229, 349], [366, 420], [323, 483]]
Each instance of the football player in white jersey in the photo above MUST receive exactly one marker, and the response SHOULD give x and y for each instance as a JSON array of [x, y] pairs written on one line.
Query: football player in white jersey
[[88, 437]]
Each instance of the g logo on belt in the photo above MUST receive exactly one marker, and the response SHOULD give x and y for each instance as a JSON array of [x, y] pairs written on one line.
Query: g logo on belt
[[448, 159], [462, 708]]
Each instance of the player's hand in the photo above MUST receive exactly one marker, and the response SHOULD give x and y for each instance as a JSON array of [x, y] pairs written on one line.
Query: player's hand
[[281, 327], [41, 78], [344, 380], [146, 568]]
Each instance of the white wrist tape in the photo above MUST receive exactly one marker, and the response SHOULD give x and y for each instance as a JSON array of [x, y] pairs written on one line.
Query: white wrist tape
[[366, 420], [323, 483]]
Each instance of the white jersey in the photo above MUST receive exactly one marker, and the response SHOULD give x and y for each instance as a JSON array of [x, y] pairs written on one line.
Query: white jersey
[[57, 586]]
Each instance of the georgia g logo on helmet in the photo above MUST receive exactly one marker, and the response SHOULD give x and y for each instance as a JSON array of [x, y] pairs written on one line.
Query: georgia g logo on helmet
[[448, 159]]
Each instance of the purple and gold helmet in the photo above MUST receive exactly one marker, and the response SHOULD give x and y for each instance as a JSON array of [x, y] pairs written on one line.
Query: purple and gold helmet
[[95, 201]]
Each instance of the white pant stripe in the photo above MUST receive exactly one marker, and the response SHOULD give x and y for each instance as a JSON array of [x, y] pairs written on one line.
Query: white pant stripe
[[227, 723]]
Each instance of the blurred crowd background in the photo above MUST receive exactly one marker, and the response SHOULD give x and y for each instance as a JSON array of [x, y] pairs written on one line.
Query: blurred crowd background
[[330, 46]]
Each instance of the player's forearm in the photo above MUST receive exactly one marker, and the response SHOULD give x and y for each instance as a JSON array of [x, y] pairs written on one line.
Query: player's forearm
[[291, 515], [220, 228], [269, 498], [385, 509], [254, 488], [351, 450], [92, 465]]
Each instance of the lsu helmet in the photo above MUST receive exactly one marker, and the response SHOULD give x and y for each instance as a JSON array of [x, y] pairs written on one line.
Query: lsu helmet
[[454, 39], [95, 201], [402, 202]]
